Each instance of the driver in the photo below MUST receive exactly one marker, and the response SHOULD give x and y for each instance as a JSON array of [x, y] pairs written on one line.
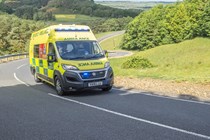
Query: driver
[[61, 48]]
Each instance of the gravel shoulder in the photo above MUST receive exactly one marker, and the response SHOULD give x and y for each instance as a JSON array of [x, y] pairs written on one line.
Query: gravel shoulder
[[183, 90]]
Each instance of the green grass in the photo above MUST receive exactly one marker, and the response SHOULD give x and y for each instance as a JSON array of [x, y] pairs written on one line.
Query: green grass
[[72, 18], [186, 61], [112, 43], [102, 34], [65, 18]]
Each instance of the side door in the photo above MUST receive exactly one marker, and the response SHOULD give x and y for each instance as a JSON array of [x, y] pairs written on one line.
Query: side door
[[51, 65], [40, 60]]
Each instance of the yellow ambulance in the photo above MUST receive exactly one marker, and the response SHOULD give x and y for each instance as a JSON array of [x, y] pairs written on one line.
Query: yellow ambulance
[[70, 58]]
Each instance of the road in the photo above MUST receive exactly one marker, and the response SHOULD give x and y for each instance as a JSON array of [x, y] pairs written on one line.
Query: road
[[105, 37], [115, 53], [33, 111]]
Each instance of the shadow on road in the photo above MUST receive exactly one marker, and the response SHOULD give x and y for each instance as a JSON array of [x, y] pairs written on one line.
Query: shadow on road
[[44, 89]]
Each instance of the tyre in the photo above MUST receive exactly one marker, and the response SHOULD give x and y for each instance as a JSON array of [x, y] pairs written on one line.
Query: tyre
[[36, 79], [107, 88], [59, 86]]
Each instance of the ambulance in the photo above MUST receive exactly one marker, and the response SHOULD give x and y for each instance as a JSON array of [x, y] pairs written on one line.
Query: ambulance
[[69, 58]]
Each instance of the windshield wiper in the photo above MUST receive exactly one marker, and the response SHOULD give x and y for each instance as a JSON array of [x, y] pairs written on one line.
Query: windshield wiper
[[75, 58], [98, 55], [87, 56]]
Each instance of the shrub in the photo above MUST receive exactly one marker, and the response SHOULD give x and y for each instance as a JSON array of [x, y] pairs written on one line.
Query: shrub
[[137, 62]]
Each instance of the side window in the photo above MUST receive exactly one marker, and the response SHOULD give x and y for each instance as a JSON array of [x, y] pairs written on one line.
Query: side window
[[51, 49], [36, 51]]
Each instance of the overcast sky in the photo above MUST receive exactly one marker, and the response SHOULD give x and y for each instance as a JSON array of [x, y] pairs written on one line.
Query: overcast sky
[[138, 0]]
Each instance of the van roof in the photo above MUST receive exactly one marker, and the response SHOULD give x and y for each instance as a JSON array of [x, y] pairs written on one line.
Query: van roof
[[61, 32]]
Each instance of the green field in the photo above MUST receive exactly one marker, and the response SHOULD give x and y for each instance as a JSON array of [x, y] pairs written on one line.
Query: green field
[[186, 61], [131, 4], [112, 43], [72, 18]]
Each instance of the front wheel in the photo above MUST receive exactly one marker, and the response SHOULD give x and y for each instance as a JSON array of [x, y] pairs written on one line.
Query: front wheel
[[59, 86], [107, 88]]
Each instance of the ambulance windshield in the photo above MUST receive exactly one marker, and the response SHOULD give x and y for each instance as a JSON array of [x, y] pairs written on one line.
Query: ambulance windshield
[[76, 50]]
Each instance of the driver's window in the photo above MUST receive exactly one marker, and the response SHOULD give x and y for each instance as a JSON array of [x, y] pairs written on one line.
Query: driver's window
[[51, 49], [96, 49]]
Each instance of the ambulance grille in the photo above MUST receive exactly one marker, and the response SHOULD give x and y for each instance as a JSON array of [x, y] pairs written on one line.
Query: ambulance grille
[[93, 75]]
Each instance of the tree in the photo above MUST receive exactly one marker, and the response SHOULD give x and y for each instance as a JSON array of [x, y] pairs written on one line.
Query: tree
[[168, 24]]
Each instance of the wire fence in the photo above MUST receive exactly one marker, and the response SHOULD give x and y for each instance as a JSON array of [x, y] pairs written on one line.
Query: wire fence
[[7, 58]]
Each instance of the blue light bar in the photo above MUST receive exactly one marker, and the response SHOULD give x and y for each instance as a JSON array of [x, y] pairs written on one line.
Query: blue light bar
[[71, 30]]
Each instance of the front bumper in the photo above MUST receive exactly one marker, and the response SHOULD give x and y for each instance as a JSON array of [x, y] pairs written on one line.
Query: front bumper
[[72, 80]]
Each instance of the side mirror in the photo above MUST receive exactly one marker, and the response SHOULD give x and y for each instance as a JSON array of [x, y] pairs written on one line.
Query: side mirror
[[51, 57], [106, 53]]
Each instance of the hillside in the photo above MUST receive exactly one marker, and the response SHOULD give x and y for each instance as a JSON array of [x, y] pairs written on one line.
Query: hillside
[[168, 24], [185, 61], [143, 5], [44, 9]]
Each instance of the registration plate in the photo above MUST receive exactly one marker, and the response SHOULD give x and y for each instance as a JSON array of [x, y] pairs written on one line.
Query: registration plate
[[93, 84]]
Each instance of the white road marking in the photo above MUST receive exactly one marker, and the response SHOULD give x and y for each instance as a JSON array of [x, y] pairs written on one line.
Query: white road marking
[[159, 96], [21, 66], [20, 80], [133, 118], [128, 93]]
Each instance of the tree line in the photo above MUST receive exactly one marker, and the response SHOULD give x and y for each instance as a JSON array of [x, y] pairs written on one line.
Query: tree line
[[168, 24], [27, 9], [15, 33], [88, 7], [40, 9], [112, 24]]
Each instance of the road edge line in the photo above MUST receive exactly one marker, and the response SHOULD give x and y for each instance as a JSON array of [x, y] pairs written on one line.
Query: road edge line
[[20, 80], [21, 66]]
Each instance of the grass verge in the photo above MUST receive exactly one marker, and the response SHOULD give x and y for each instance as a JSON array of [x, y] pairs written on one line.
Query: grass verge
[[186, 61], [112, 43]]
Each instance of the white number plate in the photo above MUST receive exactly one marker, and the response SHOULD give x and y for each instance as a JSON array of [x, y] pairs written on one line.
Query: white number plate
[[93, 84]]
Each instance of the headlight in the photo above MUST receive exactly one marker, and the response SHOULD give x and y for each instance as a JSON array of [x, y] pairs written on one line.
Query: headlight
[[107, 64], [69, 67]]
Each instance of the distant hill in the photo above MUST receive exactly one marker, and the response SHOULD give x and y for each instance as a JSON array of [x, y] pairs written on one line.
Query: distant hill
[[89, 7], [43, 9], [143, 5]]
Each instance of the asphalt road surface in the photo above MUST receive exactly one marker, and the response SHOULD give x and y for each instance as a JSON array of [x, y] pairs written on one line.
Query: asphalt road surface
[[31, 111]]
